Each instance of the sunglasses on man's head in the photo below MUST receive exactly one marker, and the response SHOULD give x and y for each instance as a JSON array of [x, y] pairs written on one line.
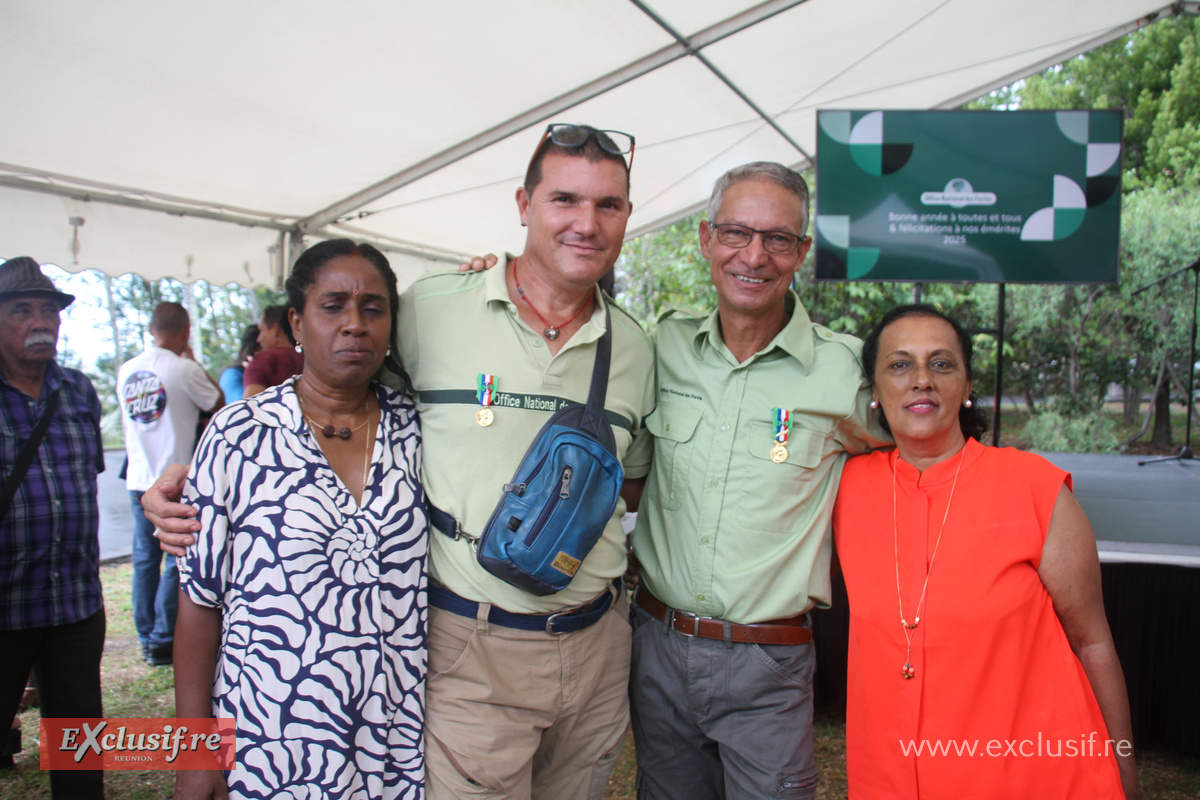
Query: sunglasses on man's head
[[567, 135]]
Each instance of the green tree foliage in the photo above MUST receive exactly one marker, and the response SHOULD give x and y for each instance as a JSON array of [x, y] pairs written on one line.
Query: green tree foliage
[[664, 270], [1152, 76]]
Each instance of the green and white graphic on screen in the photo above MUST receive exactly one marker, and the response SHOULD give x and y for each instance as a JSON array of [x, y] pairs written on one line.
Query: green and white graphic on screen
[[1013, 196]]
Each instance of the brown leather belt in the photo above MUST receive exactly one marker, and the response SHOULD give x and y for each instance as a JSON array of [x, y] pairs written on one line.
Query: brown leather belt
[[775, 631]]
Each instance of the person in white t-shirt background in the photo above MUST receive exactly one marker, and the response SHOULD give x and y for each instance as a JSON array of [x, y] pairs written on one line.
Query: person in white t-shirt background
[[162, 393]]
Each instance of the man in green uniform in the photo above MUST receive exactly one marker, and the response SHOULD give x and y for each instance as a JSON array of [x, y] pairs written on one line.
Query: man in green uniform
[[757, 410]]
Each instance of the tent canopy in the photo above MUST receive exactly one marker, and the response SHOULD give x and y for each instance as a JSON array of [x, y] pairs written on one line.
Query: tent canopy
[[206, 140]]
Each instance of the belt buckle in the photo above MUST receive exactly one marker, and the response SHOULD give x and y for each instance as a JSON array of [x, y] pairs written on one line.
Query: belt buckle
[[674, 615], [550, 622]]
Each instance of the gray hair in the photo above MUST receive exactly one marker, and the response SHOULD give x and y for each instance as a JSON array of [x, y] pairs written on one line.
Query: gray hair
[[766, 171]]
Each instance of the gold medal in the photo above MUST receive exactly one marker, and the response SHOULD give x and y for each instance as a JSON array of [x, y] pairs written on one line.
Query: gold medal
[[485, 417], [779, 454]]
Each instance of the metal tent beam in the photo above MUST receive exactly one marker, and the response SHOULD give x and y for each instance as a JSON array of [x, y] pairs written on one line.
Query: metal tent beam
[[1067, 55], [537, 114], [693, 49]]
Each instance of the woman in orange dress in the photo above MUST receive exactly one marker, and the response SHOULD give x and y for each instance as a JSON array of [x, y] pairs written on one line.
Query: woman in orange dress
[[981, 663]]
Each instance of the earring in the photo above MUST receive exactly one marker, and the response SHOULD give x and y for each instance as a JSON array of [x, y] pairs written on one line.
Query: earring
[[967, 403], [524, 224], [874, 404], [299, 348]]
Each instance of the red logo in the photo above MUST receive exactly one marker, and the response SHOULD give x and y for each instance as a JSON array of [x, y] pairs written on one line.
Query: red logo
[[138, 743]]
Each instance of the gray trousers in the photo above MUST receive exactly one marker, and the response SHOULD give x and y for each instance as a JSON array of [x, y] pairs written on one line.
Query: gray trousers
[[717, 720]]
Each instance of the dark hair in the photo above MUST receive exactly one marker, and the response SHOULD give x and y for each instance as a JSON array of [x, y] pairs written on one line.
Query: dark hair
[[590, 149], [973, 420], [308, 268], [249, 343], [274, 316], [169, 319]]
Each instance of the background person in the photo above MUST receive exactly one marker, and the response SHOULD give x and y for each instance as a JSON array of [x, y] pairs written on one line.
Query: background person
[[162, 392], [975, 605], [277, 359], [51, 609], [231, 379], [305, 592]]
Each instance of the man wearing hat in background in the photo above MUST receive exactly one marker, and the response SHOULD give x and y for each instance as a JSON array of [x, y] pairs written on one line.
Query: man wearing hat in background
[[51, 610]]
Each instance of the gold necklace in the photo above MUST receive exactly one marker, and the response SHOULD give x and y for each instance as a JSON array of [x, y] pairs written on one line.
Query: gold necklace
[[907, 670], [328, 431], [367, 458]]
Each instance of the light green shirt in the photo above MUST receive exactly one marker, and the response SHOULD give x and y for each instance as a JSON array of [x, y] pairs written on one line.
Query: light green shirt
[[723, 530], [452, 327]]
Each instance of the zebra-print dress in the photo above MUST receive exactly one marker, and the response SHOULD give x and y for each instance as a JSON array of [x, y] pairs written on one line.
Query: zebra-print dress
[[322, 659]]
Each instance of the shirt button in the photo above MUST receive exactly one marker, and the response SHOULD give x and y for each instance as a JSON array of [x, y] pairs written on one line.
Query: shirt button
[[704, 540], [537, 342], [714, 482], [725, 427], [699, 597], [668, 426]]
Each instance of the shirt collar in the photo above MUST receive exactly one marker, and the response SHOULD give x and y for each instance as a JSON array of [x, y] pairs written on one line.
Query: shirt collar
[[796, 338]]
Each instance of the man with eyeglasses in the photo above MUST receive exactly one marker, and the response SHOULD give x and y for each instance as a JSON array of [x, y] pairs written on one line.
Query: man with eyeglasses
[[757, 411], [526, 696]]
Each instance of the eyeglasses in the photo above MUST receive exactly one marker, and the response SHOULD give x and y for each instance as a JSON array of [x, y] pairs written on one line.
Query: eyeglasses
[[780, 243], [566, 135]]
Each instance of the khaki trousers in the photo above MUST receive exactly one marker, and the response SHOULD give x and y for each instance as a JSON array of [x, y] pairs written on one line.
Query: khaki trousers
[[524, 715]]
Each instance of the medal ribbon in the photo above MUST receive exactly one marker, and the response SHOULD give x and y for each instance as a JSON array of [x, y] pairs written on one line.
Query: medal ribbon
[[485, 387], [783, 425]]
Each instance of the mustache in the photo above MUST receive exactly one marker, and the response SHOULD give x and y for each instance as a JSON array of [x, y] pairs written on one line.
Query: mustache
[[34, 339]]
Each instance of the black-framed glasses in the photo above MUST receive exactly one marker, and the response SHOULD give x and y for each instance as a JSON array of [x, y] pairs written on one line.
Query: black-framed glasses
[[781, 243], [564, 134]]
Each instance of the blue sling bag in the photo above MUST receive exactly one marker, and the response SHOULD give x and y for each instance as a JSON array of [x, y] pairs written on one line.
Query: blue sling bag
[[555, 508]]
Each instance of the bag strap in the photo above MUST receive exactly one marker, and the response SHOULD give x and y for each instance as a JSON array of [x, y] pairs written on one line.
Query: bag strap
[[593, 414], [593, 422], [25, 457]]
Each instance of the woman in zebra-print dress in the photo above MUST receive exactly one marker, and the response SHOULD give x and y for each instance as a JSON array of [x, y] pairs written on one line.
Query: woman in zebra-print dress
[[303, 608]]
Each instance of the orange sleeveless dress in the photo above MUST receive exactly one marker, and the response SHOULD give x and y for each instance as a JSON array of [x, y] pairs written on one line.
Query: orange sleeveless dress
[[999, 706]]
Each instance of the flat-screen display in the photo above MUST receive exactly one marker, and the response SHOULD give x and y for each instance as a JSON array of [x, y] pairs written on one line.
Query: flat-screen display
[[986, 196]]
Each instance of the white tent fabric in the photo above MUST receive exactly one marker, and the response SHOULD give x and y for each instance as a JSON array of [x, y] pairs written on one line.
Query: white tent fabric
[[207, 139]]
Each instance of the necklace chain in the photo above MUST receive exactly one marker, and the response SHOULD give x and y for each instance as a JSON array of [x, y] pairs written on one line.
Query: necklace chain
[[344, 434], [551, 331], [328, 431], [907, 670]]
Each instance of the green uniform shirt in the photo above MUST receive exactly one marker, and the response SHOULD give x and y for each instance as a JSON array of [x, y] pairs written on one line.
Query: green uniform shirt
[[452, 327], [723, 530]]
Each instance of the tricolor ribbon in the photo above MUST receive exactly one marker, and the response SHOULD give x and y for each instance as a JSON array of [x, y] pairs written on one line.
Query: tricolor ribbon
[[783, 424], [485, 388]]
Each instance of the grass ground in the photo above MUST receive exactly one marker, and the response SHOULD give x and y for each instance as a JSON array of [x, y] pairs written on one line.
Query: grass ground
[[132, 689]]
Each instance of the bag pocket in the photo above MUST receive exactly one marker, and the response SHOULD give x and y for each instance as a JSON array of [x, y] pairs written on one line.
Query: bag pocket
[[553, 513]]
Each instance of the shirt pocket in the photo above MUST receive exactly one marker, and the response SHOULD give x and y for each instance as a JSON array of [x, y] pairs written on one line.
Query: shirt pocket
[[772, 493], [674, 431]]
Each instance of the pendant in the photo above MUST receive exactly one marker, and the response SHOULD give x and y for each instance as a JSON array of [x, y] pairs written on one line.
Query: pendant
[[485, 417], [907, 671], [551, 333], [779, 454]]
